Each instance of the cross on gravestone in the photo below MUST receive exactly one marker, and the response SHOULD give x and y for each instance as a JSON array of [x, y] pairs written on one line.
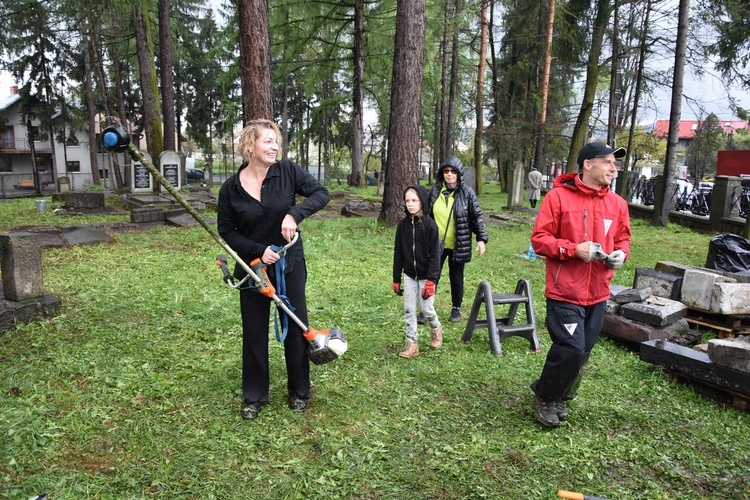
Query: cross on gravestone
[[169, 166], [143, 182], [515, 197]]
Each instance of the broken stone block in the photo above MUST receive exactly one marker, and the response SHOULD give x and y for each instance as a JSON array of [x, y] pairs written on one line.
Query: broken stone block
[[633, 295], [698, 288], [635, 331], [615, 289], [731, 298], [662, 284], [734, 353], [679, 270], [612, 307], [656, 311]]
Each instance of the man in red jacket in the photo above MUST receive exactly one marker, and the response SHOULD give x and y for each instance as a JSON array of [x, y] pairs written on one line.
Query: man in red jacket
[[583, 230]]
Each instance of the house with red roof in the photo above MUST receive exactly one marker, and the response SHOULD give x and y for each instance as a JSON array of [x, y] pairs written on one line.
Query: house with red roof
[[688, 128]]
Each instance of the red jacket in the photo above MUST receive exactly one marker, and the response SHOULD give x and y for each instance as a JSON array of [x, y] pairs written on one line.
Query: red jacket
[[570, 214]]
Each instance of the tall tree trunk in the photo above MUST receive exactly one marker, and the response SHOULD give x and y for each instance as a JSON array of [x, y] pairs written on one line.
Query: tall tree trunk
[[478, 163], [108, 119], [540, 135], [88, 91], [661, 207], [167, 79], [450, 125], [356, 178], [255, 60], [149, 85], [402, 167], [284, 126], [614, 80], [622, 186], [441, 130], [580, 131], [117, 65]]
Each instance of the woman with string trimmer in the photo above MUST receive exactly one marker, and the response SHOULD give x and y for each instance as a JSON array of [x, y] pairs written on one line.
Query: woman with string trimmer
[[257, 216]]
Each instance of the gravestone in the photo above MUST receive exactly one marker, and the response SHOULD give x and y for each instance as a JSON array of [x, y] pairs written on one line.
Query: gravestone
[[470, 178], [169, 166], [515, 197], [21, 266], [143, 181]]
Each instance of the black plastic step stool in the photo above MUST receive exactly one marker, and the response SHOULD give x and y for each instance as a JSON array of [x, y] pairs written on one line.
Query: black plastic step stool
[[502, 328]]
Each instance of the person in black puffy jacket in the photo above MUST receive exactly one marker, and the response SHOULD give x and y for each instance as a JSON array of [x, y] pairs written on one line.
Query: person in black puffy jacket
[[455, 209]]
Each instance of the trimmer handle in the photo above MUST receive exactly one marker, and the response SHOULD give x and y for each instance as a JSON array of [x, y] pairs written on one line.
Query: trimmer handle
[[221, 261]]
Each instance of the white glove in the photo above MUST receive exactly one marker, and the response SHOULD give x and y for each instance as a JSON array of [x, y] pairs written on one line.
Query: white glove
[[615, 260], [596, 252]]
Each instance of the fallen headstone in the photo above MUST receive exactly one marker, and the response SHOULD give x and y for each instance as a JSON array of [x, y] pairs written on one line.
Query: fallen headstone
[[656, 311], [662, 284]]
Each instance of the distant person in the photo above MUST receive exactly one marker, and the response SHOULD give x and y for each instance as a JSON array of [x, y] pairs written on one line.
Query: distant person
[[456, 210], [416, 254], [534, 186], [583, 230], [257, 214]]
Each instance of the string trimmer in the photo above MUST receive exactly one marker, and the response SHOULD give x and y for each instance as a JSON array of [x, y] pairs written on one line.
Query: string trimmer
[[323, 345]]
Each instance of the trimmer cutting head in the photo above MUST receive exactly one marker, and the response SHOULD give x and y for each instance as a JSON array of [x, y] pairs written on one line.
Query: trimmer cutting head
[[325, 345]]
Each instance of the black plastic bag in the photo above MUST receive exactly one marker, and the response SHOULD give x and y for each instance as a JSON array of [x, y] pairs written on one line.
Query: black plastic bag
[[729, 252]]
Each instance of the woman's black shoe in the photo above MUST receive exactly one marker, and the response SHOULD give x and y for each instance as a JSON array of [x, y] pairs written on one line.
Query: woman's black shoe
[[250, 410], [298, 405]]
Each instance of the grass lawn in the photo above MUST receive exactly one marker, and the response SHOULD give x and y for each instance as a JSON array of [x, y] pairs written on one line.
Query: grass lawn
[[134, 389]]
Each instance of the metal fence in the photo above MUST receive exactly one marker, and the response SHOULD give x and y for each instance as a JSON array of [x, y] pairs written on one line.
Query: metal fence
[[684, 198]]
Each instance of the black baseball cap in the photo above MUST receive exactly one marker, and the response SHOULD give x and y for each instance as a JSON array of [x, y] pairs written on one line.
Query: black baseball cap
[[597, 150]]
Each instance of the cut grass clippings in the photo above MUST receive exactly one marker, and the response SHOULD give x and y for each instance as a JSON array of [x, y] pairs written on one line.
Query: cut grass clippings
[[134, 388]]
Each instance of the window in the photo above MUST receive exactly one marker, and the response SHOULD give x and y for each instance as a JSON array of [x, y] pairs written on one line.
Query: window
[[73, 166], [6, 138], [5, 165], [72, 140]]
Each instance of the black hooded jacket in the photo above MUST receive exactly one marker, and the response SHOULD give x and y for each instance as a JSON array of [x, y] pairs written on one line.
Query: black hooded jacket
[[467, 214], [416, 251]]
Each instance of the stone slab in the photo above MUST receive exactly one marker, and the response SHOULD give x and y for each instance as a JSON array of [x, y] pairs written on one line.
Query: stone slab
[[734, 353], [28, 310], [85, 199], [635, 331], [182, 218], [85, 235], [662, 284], [633, 295], [698, 288], [656, 311], [694, 365], [731, 298], [615, 289]]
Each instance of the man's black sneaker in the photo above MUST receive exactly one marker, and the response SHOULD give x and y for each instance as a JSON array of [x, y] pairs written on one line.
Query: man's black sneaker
[[250, 410], [545, 412], [562, 410], [298, 405], [455, 314]]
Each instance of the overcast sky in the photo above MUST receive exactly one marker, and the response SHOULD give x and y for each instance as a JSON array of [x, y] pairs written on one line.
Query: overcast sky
[[702, 96]]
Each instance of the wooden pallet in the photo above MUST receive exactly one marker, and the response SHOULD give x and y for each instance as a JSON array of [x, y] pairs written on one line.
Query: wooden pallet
[[723, 384], [725, 325], [723, 396]]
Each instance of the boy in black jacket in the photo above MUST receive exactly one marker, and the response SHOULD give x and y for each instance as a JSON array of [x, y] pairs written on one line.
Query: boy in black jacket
[[417, 253]]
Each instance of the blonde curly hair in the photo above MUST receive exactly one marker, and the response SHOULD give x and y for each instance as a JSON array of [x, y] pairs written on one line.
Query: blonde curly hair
[[250, 135]]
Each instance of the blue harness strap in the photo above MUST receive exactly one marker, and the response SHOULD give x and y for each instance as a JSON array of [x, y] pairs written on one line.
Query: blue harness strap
[[280, 270]]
